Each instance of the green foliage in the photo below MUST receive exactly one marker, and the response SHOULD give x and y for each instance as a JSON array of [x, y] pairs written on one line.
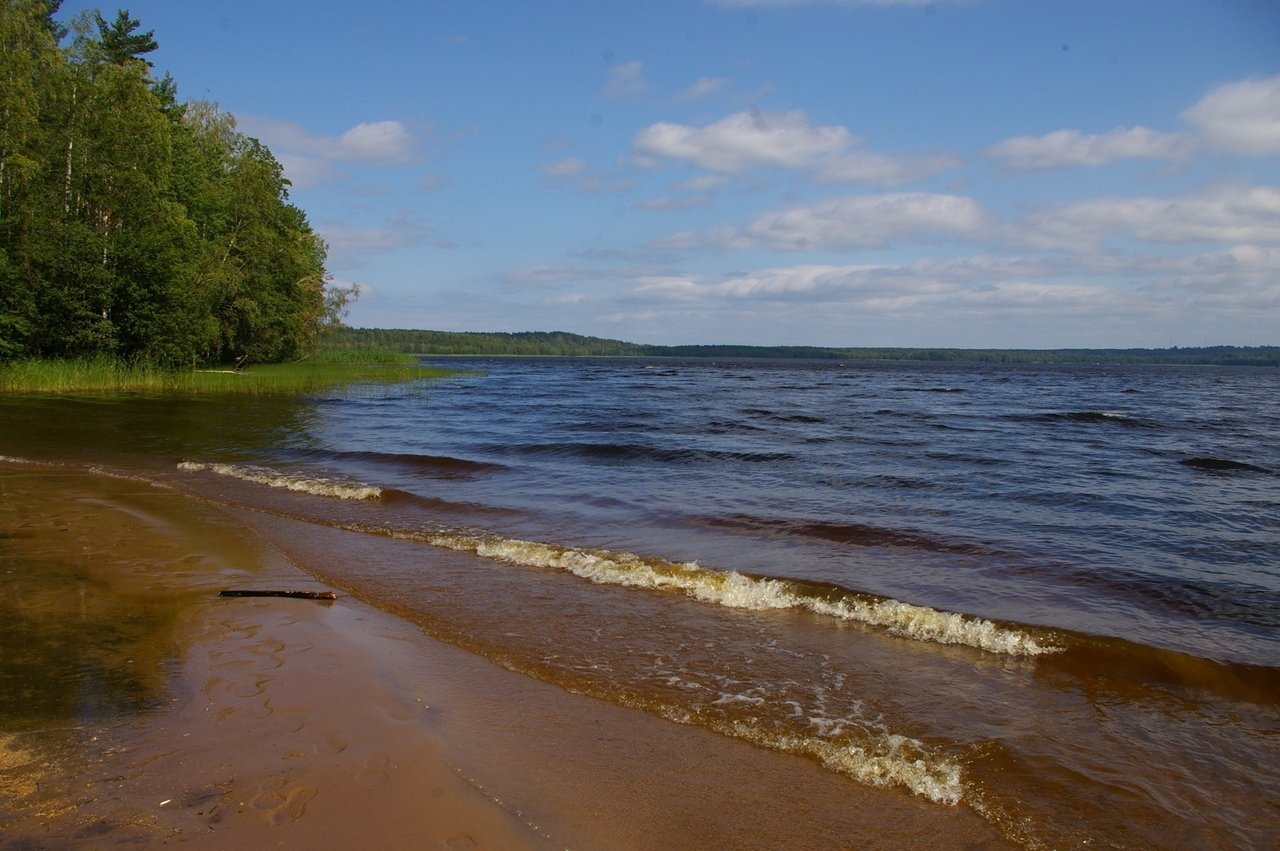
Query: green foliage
[[119, 41], [135, 226], [468, 343], [559, 343], [364, 356]]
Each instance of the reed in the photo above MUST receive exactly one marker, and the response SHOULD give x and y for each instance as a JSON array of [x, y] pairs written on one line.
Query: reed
[[107, 375]]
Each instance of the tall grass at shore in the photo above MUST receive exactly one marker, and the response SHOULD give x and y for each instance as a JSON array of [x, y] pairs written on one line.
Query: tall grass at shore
[[323, 372]]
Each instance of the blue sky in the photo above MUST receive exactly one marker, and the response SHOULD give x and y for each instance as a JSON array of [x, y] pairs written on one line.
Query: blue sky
[[977, 173]]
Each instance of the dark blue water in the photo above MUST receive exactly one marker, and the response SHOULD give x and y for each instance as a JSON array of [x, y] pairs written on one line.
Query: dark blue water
[[1134, 502]]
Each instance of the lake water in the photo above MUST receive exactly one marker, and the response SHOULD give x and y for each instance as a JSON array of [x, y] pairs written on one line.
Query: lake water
[[1050, 594]]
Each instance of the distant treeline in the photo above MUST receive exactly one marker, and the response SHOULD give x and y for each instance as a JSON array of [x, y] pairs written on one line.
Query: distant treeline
[[564, 344]]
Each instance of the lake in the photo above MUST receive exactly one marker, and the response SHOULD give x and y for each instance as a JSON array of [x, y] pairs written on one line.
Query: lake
[[1050, 594]]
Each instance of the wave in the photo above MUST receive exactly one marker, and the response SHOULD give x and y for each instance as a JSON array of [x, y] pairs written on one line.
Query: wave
[[856, 534], [639, 452], [289, 481], [1116, 418], [442, 466], [892, 759], [1108, 664], [1222, 465], [735, 590], [10, 459], [765, 413]]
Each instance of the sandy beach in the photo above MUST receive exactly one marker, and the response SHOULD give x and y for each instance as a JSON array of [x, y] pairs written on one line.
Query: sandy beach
[[145, 710]]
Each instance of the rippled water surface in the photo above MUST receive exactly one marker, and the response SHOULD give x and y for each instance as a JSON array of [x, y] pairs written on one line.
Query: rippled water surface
[[1050, 594]]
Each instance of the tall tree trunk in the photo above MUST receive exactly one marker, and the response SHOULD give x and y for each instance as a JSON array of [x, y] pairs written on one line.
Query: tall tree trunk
[[66, 185]]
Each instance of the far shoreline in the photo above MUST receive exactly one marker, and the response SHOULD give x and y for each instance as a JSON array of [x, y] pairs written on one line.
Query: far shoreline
[[447, 344]]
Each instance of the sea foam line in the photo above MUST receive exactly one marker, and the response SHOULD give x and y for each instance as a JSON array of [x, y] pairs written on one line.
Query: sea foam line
[[9, 459], [738, 591], [894, 760], [272, 478]]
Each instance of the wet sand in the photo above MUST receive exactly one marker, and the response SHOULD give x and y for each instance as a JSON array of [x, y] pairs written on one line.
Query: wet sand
[[145, 710]]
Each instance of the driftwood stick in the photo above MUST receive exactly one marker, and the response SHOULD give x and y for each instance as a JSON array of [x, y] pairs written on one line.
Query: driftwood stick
[[303, 595]]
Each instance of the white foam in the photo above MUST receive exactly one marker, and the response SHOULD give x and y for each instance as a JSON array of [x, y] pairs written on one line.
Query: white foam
[[128, 477], [272, 478], [735, 590], [882, 760]]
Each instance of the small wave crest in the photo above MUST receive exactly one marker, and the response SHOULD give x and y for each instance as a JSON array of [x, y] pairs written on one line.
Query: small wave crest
[[440, 466], [854, 534], [741, 591], [890, 760], [633, 452], [10, 459], [884, 759], [1116, 418], [289, 481]]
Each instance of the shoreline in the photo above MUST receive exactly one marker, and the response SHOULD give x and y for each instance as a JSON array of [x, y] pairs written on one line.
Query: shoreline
[[271, 725], [295, 723]]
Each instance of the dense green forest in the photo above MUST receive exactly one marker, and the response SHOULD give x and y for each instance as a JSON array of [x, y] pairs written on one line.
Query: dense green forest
[[133, 225], [560, 343]]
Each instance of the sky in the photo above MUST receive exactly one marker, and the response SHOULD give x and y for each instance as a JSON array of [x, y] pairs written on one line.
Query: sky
[[971, 173]]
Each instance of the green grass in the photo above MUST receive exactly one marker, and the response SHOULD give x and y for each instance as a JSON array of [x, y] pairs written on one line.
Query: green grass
[[106, 375]]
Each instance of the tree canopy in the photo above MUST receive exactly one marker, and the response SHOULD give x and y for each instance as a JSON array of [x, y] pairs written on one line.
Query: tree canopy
[[134, 225]]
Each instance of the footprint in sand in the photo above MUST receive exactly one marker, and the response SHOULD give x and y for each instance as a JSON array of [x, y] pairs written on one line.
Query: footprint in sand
[[281, 802]]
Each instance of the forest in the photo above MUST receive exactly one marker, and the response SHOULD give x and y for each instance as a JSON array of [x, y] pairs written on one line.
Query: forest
[[135, 226], [562, 343]]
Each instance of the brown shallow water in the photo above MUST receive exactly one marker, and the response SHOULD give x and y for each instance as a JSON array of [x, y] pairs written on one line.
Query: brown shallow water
[[141, 709]]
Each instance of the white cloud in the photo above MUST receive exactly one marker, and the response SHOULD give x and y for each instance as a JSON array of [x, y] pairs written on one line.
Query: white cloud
[[854, 222], [745, 140], [1066, 148], [919, 292], [309, 158], [625, 80], [701, 88], [1241, 117], [755, 139], [349, 244], [385, 142], [969, 297], [1225, 213]]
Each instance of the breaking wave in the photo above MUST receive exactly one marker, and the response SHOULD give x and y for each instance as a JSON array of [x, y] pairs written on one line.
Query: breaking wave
[[741, 591], [289, 481]]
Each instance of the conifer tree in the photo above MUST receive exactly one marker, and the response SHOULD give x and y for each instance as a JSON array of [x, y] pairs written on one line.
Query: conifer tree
[[120, 42]]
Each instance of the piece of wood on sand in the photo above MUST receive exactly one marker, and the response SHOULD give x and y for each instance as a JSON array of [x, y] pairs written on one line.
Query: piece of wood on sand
[[301, 595]]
